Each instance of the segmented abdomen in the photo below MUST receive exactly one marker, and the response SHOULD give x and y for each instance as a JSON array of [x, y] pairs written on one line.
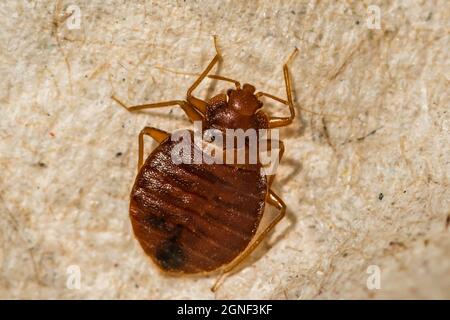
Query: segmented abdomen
[[195, 217]]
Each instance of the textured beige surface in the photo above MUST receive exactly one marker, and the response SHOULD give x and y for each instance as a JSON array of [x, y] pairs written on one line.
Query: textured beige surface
[[380, 124]]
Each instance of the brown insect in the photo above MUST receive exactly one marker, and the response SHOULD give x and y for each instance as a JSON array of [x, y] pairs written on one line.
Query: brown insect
[[198, 218]]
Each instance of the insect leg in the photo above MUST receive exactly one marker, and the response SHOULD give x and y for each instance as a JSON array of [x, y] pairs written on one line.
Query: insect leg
[[273, 200], [281, 149], [196, 102], [190, 111], [217, 77], [157, 134], [276, 122]]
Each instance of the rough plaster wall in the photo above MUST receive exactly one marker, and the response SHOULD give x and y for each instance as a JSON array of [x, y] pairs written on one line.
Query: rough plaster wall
[[376, 120]]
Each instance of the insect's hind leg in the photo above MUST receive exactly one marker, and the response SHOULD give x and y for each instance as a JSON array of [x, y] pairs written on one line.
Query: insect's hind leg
[[157, 134], [274, 200], [200, 104], [190, 111]]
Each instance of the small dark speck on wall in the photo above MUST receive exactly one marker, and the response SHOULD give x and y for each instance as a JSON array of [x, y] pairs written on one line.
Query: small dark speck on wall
[[42, 164], [380, 196], [118, 154]]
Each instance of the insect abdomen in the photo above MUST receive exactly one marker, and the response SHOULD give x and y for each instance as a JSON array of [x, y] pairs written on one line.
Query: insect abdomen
[[195, 217]]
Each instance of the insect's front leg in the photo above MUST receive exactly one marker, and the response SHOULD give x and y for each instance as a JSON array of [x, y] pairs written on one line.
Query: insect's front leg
[[200, 104], [190, 111], [276, 122]]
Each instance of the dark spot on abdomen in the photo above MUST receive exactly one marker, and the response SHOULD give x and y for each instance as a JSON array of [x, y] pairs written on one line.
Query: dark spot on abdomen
[[159, 223], [170, 255]]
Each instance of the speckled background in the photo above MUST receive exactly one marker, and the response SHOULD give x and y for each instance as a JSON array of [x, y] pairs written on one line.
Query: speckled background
[[365, 175]]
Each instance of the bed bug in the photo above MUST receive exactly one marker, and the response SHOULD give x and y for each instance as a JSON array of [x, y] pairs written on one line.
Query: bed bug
[[200, 218]]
